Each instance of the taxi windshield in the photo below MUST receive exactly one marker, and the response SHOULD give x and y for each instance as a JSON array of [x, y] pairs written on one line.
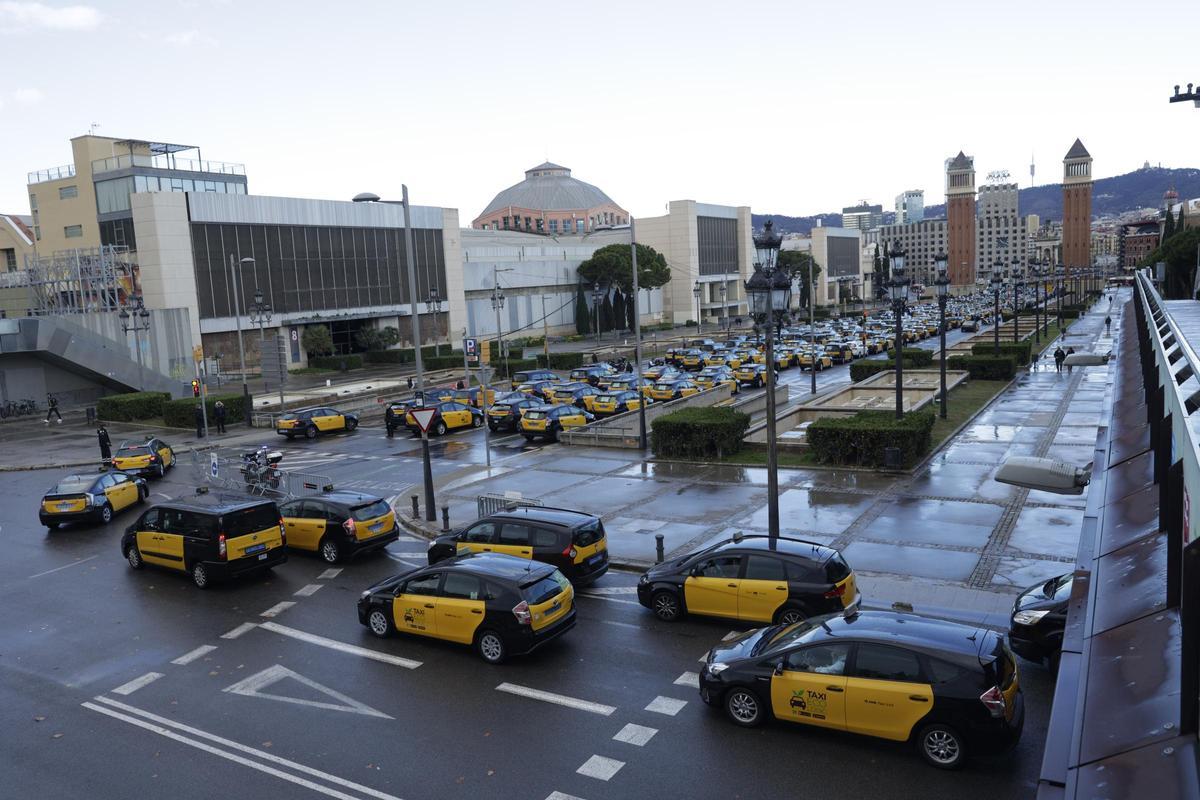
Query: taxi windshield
[[74, 483], [796, 633], [535, 415], [134, 449]]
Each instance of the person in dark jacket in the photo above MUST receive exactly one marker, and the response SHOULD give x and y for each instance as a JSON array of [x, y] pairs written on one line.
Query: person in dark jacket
[[1070, 351], [52, 408], [199, 421], [1108, 324], [389, 421], [219, 413], [1059, 358], [105, 445]]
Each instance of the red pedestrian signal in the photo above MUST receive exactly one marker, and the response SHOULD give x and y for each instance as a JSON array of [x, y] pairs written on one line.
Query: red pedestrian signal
[[195, 388]]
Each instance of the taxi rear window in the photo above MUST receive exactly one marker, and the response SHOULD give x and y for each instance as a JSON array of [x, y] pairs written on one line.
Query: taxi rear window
[[545, 589], [370, 510], [606, 398], [134, 449], [501, 407], [72, 485], [836, 569], [589, 533], [535, 415], [249, 520]]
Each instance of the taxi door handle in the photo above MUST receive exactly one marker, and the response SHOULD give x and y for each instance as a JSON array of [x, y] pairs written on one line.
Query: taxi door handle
[[476, 611], [918, 698], [834, 689], [781, 588], [731, 585], [430, 605]]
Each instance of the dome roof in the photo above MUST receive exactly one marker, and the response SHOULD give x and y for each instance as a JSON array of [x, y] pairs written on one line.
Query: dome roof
[[549, 187]]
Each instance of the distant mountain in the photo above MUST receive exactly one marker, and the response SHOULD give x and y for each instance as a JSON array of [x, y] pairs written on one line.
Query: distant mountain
[[1143, 188]]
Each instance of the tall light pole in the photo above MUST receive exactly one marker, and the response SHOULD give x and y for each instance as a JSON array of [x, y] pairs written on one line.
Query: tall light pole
[[1059, 272], [236, 279], [411, 274], [812, 322], [137, 321], [637, 338], [943, 295], [997, 282], [1018, 283], [433, 305], [260, 315], [597, 298], [497, 305], [696, 290], [898, 287], [769, 292], [723, 290]]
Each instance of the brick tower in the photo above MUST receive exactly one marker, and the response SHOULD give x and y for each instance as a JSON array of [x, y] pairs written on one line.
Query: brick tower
[[1077, 208], [960, 219]]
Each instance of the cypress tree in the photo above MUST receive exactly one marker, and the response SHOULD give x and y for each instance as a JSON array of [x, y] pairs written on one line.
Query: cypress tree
[[630, 312], [1169, 226], [619, 315], [1179, 223], [582, 313], [606, 314]]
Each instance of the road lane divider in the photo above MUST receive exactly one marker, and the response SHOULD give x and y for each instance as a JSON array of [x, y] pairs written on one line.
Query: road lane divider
[[199, 652], [562, 796], [277, 609], [557, 699], [199, 739], [593, 596], [137, 683], [308, 590], [245, 627], [601, 768], [341, 647], [666, 705], [64, 566], [636, 735], [691, 679], [330, 574]]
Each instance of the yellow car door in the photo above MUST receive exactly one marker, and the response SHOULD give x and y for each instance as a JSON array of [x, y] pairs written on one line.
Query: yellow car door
[[886, 694], [460, 608], [712, 588], [159, 540], [480, 538], [113, 491], [165, 456], [304, 521], [415, 608], [576, 420], [129, 490], [762, 590], [514, 540], [811, 686]]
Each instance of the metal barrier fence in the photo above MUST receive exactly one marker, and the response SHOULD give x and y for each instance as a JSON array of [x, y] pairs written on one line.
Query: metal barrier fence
[[225, 470], [487, 504]]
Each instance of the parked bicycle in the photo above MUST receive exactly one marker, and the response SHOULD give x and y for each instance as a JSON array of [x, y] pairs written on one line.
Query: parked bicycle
[[21, 408]]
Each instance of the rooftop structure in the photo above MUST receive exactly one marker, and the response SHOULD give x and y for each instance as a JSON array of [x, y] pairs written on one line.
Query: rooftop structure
[[550, 201]]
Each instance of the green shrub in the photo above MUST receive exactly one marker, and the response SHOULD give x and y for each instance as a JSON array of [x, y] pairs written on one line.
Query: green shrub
[[861, 370], [354, 361], [561, 360], [917, 356], [132, 406], [182, 413], [401, 356], [699, 432], [862, 438], [1019, 351], [985, 368]]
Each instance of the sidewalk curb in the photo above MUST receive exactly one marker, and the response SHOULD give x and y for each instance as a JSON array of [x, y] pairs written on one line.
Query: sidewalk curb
[[92, 462]]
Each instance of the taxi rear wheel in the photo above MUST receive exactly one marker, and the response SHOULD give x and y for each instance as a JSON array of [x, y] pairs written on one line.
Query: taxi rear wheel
[[476, 421], [161, 471], [490, 646], [789, 615], [200, 576], [666, 606], [330, 552], [143, 495], [743, 707], [310, 432], [379, 623], [134, 557], [106, 514], [941, 746]]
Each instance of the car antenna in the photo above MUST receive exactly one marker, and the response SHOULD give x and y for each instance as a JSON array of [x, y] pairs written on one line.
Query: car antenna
[[739, 536]]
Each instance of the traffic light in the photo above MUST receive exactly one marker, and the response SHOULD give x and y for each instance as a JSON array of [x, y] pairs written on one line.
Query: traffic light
[[195, 388]]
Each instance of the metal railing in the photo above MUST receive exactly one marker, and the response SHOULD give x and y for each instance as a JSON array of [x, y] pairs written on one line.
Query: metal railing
[[114, 163], [488, 504], [51, 174], [223, 469]]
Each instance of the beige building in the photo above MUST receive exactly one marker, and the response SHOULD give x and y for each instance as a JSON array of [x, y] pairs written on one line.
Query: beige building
[[708, 247], [838, 252], [16, 243]]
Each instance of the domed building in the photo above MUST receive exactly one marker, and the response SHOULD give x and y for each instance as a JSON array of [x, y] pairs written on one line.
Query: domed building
[[550, 202]]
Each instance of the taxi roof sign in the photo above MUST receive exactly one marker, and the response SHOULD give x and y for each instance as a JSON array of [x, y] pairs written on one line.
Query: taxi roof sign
[[423, 416]]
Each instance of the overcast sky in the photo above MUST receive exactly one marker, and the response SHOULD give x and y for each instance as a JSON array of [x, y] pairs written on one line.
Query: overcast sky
[[789, 107]]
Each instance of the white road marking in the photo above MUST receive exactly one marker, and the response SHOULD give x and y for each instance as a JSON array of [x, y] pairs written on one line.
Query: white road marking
[[622, 624], [666, 705], [255, 684], [600, 768], [341, 647], [559, 699], [308, 590], [239, 630], [636, 735], [561, 796], [613, 590], [688, 679], [410, 539], [406, 561], [731, 635], [277, 609], [591, 596], [199, 652], [65, 566], [330, 574], [161, 726], [137, 683]]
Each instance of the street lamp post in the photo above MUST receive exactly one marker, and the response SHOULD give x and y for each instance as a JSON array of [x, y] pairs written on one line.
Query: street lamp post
[[1058, 292], [237, 317], [724, 291], [260, 315], [1018, 284], [696, 290], [898, 287], [140, 322], [997, 284], [597, 297], [943, 295], [812, 324], [769, 293], [433, 305]]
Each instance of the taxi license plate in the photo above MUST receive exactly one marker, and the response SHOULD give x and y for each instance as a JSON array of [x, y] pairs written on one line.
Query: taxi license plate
[[552, 610], [262, 556], [258, 548], [378, 526], [596, 559], [64, 506]]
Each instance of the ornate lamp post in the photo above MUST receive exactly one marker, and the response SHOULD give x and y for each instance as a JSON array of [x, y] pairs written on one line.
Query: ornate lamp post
[[696, 291], [769, 293], [497, 305], [597, 299], [260, 315], [898, 288], [136, 322], [724, 291], [237, 316], [433, 305], [1017, 283], [943, 295], [997, 284], [1059, 272]]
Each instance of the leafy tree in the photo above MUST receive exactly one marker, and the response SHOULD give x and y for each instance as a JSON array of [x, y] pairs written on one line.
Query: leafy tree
[[317, 341], [612, 265], [368, 339], [1169, 226], [606, 314], [1179, 254], [389, 336], [583, 315], [618, 304], [799, 266]]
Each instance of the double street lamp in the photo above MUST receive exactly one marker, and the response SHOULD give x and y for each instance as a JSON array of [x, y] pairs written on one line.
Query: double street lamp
[[898, 289], [769, 292], [137, 321], [724, 291], [943, 296], [1018, 283], [697, 290], [433, 305], [237, 316], [997, 282], [597, 298]]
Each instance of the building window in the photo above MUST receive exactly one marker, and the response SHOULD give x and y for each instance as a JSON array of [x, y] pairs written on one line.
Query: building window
[[67, 192], [554, 226], [33, 203], [579, 226], [73, 231], [10, 259], [528, 226]]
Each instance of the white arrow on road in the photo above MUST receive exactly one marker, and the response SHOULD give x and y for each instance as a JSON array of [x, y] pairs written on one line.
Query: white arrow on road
[[255, 684]]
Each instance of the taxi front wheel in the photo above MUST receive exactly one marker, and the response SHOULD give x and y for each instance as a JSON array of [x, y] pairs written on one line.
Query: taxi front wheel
[[941, 746], [476, 422], [743, 707], [666, 606], [379, 623], [134, 557]]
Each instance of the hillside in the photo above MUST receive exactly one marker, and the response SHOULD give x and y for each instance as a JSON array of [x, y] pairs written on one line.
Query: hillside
[[1143, 188]]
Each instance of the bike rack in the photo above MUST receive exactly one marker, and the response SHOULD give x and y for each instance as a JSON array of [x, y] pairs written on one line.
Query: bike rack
[[291, 484]]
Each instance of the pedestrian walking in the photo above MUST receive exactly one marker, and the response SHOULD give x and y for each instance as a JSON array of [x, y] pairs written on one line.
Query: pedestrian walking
[[105, 445], [1059, 358], [219, 413], [460, 385], [389, 421], [1108, 324], [199, 414], [1070, 351], [52, 408]]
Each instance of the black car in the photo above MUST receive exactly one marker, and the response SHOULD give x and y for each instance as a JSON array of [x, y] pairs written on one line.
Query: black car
[[950, 689], [570, 540], [500, 605], [505, 415], [337, 525], [1038, 619], [751, 578]]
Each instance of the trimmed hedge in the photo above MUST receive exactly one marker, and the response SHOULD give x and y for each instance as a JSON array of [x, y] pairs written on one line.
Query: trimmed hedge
[[861, 370], [182, 413], [132, 406], [918, 356], [561, 360], [699, 432], [354, 361], [986, 367], [1021, 352], [861, 439]]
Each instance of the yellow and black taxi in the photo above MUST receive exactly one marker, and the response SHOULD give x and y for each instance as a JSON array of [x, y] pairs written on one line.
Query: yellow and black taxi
[[753, 375], [717, 357], [631, 382], [610, 403], [337, 525], [656, 371], [546, 422], [814, 358], [151, 457], [950, 689], [506, 414], [90, 498], [447, 416], [594, 374], [573, 541], [581, 395], [543, 390], [709, 377], [211, 537], [313, 422], [500, 605], [532, 376], [672, 388], [691, 360], [751, 578]]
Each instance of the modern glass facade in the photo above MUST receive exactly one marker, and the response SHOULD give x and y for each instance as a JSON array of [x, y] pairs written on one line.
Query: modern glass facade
[[717, 241], [302, 268], [112, 195]]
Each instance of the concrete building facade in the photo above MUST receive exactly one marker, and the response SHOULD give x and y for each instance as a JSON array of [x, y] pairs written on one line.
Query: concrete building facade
[[1077, 208], [16, 245], [1002, 234], [1136, 241], [838, 252], [910, 206], [550, 202], [960, 220], [921, 242], [862, 217]]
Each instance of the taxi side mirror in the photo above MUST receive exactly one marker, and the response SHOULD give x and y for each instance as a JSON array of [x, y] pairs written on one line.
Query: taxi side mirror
[[778, 668]]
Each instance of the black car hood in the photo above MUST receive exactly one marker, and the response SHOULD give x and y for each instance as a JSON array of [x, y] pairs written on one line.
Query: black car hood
[[1034, 599], [747, 645]]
